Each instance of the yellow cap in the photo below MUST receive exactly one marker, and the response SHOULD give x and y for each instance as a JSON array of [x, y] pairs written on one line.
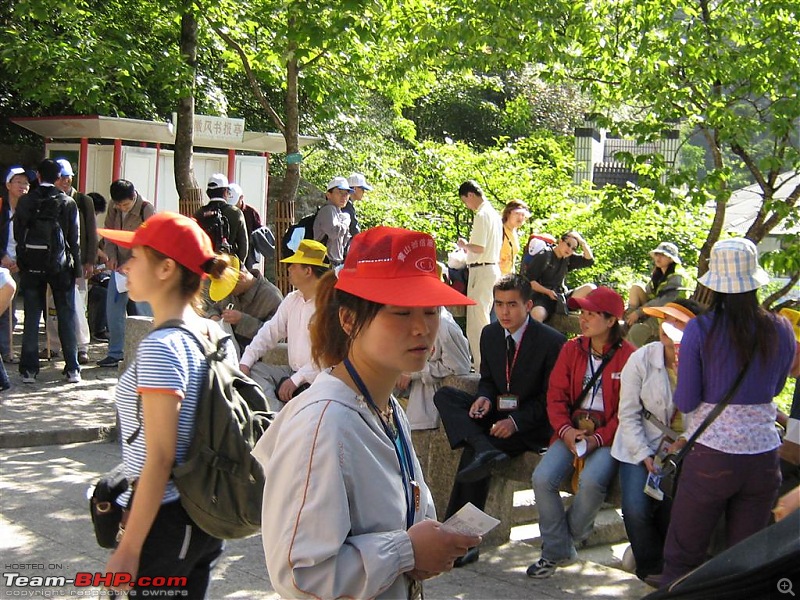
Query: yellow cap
[[309, 252], [222, 286], [794, 319]]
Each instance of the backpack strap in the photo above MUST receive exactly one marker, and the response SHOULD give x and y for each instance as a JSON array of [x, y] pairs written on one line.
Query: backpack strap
[[212, 346]]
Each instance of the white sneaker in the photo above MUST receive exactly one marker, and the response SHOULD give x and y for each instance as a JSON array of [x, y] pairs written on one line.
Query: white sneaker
[[29, 378], [73, 376]]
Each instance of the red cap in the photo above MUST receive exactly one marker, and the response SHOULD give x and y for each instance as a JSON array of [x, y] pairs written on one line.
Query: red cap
[[602, 299], [173, 235], [396, 266]]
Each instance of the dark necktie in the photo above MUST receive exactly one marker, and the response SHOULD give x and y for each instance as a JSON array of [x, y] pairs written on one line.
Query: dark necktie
[[511, 348]]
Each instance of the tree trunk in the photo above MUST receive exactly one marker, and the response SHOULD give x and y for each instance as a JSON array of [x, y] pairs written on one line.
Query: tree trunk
[[284, 210], [189, 193]]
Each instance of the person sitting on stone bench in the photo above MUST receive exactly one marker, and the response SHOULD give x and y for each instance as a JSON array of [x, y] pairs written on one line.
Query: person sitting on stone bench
[[242, 302], [582, 401], [281, 383], [509, 414], [450, 356]]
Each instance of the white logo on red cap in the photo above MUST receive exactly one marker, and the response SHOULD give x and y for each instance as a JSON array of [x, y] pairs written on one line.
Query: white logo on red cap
[[425, 264]]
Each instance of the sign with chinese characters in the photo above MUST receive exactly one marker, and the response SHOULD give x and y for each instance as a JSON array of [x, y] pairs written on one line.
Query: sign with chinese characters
[[218, 128]]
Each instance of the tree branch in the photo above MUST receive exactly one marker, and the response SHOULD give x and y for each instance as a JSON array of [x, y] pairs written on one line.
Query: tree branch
[[781, 292], [260, 97]]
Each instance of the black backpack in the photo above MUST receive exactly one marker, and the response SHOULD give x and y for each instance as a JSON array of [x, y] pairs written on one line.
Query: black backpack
[[220, 483], [213, 221], [303, 229], [43, 248]]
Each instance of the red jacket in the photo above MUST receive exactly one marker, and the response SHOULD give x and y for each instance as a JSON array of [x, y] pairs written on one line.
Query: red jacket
[[566, 384]]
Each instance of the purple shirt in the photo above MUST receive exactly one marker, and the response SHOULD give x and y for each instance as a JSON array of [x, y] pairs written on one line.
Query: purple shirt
[[707, 376]]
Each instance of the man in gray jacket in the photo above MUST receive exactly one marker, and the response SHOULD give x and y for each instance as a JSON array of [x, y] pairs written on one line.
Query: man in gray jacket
[[128, 210], [251, 303]]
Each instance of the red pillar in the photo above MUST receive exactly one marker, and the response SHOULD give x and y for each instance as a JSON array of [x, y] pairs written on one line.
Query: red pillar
[[116, 168], [231, 164], [155, 192]]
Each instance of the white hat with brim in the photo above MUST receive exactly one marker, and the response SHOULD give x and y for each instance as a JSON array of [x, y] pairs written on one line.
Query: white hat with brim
[[669, 250], [733, 268]]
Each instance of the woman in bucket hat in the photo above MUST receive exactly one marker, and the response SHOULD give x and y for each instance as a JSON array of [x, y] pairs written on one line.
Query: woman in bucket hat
[[346, 510], [170, 256], [665, 285], [733, 468], [582, 400]]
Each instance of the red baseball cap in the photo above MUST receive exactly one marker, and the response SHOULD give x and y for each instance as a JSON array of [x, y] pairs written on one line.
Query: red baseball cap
[[173, 235], [602, 299], [396, 266]]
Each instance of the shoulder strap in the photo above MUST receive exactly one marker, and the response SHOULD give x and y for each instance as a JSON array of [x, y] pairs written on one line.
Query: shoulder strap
[[606, 359], [213, 348], [715, 412]]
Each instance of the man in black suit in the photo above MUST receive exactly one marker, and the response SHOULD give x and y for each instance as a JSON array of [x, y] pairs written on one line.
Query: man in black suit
[[504, 420]]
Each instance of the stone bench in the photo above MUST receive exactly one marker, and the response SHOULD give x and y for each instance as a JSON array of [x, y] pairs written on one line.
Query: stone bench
[[136, 328], [439, 464]]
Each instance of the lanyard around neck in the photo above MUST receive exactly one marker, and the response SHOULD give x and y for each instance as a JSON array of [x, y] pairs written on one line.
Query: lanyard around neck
[[398, 439], [510, 367]]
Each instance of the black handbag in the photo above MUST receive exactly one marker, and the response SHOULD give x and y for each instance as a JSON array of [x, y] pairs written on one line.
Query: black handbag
[[105, 512], [671, 465]]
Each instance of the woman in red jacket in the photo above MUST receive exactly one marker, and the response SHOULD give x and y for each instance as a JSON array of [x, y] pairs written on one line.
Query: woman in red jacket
[[582, 401]]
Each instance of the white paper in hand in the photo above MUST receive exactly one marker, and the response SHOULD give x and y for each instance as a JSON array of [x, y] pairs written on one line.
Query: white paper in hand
[[470, 520]]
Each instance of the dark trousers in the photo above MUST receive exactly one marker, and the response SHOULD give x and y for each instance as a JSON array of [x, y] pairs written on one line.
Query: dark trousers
[[473, 435], [176, 547], [713, 483], [34, 288]]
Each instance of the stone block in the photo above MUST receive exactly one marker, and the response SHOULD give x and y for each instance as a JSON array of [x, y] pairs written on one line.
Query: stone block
[[136, 328]]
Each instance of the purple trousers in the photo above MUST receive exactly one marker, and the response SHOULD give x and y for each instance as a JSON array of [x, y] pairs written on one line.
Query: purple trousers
[[743, 487]]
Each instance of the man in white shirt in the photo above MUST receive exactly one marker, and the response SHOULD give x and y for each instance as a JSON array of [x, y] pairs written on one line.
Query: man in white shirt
[[282, 382], [483, 261]]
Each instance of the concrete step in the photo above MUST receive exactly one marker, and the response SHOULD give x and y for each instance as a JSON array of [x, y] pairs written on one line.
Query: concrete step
[[609, 529]]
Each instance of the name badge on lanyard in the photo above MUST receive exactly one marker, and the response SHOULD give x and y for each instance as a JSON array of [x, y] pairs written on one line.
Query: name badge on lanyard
[[507, 402]]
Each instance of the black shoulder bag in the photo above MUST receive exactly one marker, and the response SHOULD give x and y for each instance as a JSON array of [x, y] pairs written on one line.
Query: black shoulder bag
[[671, 465]]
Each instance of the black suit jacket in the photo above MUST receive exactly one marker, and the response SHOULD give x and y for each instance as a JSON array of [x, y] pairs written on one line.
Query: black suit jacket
[[537, 355]]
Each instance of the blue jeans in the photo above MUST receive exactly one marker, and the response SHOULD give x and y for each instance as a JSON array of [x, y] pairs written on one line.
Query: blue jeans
[[116, 311], [34, 288], [646, 520], [561, 529]]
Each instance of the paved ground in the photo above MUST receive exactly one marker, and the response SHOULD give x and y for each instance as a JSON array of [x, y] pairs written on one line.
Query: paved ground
[[49, 457]]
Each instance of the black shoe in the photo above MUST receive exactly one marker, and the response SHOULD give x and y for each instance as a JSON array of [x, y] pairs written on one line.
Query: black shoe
[[48, 354], [83, 357], [470, 557], [108, 361], [481, 466]]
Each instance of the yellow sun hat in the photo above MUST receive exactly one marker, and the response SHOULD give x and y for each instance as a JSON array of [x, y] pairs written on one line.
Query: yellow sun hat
[[794, 319], [222, 286]]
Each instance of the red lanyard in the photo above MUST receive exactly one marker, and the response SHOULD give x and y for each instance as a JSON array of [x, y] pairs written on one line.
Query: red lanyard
[[510, 368]]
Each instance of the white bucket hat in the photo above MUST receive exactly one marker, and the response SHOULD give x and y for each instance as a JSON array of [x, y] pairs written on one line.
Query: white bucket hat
[[733, 267], [669, 250]]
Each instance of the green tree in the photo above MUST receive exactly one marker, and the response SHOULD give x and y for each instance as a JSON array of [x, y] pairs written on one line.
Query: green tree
[[729, 70]]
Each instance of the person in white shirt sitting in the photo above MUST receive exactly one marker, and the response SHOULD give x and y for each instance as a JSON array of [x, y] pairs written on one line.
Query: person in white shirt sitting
[[282, 382]]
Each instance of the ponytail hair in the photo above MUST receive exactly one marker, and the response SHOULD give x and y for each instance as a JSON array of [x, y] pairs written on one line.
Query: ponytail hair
[[329, 341], [190, 282]]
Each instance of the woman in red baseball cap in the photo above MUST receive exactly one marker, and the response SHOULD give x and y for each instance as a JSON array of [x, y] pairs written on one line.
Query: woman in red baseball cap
[[582, 401], [171, 255], [355, 518]]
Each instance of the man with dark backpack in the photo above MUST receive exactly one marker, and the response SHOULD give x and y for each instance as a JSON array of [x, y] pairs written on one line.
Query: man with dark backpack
[[223, 222], [48, 253]]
